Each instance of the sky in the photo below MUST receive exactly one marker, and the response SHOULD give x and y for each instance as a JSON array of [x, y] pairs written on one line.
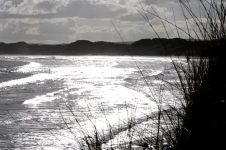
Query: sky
[[65, 21]]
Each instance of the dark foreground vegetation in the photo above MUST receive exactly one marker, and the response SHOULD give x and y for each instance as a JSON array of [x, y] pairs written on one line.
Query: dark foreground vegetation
[[203, 85], [144, 47], [201, 119]]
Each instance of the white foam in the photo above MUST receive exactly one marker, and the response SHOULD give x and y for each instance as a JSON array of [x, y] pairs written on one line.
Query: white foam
[[156, 72], [31, 67], [125, 103], [46, 98], [31, 79], [41, 99]]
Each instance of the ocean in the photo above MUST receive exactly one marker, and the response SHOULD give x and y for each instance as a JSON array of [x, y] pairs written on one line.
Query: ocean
[[53, 102]]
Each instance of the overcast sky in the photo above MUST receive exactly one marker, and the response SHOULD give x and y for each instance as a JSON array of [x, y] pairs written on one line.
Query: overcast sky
[[64, 21]]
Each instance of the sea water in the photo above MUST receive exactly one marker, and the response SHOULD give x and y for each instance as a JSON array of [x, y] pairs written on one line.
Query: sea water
[[57, 100]]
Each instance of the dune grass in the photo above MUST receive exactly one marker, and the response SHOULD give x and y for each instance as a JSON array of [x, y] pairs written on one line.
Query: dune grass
[[202, 82]]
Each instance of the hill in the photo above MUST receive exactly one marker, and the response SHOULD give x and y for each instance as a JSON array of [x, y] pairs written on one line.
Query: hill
[[143, 47]]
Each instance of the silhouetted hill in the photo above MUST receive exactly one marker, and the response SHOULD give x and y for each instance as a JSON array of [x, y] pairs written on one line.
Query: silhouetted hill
[[159, 47]]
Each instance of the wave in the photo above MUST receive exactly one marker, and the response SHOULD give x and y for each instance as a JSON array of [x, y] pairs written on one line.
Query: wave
[[30, 79], [43, 98], [29, 72], [31, 67]]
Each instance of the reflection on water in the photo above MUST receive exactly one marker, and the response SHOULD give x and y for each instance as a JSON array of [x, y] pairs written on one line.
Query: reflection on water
[[65, 96]]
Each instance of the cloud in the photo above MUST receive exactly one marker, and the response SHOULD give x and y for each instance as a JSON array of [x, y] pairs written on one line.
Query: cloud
[[63, 30], [132, 17], [46, 6], [32, 31], [8, 4], [37, 31], [92, 10], [64, 21], [57, 9]]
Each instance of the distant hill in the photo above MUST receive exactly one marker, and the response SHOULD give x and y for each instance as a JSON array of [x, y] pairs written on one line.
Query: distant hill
[[156, 47]]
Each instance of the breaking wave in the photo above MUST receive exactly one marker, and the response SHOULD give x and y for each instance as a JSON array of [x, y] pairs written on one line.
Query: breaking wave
[[31, 68]]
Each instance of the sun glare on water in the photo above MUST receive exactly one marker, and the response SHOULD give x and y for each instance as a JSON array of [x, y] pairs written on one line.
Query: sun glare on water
[[95, 90]]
